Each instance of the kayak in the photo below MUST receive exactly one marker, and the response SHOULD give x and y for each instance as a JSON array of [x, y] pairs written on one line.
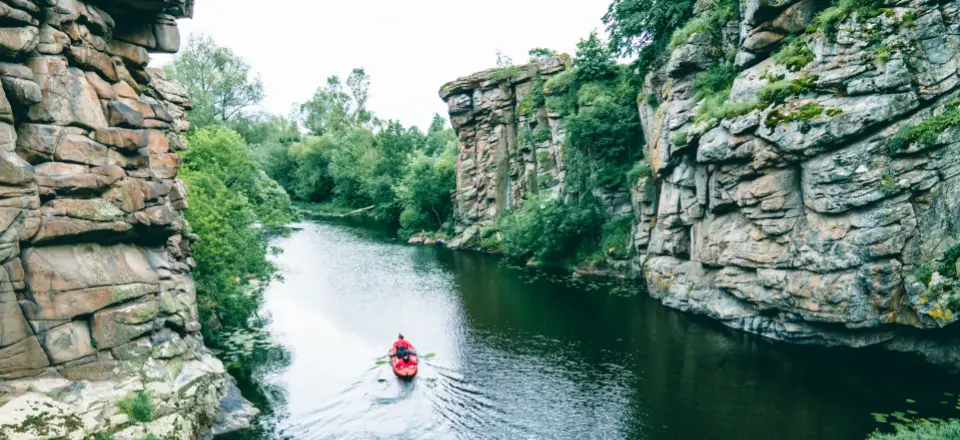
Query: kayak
[[402, 368]]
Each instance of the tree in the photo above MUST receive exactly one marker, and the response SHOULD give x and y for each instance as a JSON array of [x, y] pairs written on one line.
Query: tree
[[359, 84], [540, 53], [440, 138], [231, 201], [594, 61], [218, 81], [643, 27], [424, 193]]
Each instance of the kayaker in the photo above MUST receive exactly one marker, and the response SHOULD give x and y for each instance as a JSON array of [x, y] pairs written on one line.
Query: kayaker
[[402, 343], [403, 348]]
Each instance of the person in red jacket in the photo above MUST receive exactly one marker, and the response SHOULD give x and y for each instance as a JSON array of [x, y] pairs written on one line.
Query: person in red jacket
[[403, 348]]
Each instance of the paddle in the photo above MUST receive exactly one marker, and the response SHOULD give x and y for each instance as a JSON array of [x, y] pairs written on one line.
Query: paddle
[[383, 360]]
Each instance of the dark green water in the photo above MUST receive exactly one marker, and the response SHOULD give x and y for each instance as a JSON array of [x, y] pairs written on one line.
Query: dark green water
[[521, 356]]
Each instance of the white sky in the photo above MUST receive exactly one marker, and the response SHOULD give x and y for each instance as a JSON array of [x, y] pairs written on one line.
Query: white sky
[[409, 48]]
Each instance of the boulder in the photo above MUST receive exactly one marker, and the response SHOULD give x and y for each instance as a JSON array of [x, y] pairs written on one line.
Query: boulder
[[92, 59], [18, 41], [68, 342], [22, 92], [67, 97], [123, 139], [133, 55], [121, 324], [122, 115], [25, 355], [102, 276]]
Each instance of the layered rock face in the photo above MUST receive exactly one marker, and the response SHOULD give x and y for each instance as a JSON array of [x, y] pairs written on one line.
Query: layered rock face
[[500, 160], [807, 218], [814, 208], [95, 287]]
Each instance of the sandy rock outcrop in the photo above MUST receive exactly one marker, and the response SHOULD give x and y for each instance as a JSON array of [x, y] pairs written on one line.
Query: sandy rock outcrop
[[96, 297]]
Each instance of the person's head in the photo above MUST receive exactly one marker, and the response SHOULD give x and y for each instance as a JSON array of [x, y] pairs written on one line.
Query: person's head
[[400, 336]]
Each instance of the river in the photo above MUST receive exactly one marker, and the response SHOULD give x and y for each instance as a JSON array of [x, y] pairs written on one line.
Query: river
[[527, 356]]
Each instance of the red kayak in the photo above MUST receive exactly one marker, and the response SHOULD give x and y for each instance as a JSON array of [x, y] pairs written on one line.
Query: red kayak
[[404, 367]]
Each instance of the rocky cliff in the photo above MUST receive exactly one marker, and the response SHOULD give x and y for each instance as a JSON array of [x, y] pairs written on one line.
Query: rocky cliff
[[500, 159], [817, 200], [97, 299]]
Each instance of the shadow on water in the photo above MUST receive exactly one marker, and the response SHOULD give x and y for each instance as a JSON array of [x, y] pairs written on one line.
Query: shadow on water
[[532, 355]]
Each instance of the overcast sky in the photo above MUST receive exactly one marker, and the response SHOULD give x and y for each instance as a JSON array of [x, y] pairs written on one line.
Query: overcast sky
[[409, 48]]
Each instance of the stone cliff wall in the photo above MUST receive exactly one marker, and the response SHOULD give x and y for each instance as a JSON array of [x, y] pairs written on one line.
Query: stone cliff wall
[[815, 206], [500, 161], [95, 287], [805, 219]]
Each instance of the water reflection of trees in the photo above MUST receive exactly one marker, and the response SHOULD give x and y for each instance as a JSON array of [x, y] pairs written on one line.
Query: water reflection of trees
[[253, 369]]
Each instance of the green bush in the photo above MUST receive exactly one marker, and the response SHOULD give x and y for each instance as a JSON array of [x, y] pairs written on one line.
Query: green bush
[[933, 430], [594, 61], [138, 406], [924, 134], [778, 92], [541, 134], [617, 237], [830, 19], [712, 21], [679, 139], [424, 194], [640, 169], [548, 231], [230, 203], [794, 54], [506, 73], [560, 82], [605, 131]]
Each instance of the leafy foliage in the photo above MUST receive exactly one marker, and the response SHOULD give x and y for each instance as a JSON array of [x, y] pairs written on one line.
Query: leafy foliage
[[229, 198], [829, 19], [926, 133], [794, 54], [548, 231], [138, 406], [424, 193], [644, 27], [217, 80], [712, 22], [594, 61]]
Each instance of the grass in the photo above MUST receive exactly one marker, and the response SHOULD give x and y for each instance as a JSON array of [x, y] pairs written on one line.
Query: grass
[[640, 169], [778, 92], [138, 406], [794, 54], [829, 19], [808, 111], [926, 133], [506, 73]]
